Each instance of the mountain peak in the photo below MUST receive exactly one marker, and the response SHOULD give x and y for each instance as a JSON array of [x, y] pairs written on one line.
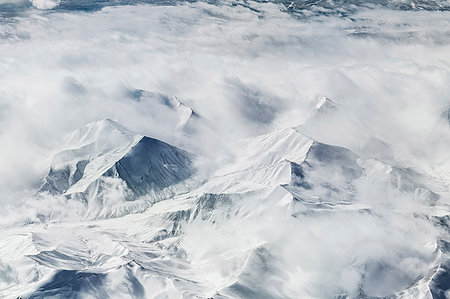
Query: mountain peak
[[325, 104], [182, 117], [106, 134], [446, 114], [106, 149]]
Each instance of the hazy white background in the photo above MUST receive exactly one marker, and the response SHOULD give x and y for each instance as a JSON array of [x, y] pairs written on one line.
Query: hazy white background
[[246, 72]]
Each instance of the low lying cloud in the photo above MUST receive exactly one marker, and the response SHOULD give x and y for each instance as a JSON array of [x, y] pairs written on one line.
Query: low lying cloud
[[62, 70], [245, 69]]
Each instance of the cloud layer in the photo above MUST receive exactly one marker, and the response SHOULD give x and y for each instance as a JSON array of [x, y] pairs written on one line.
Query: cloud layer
[[246, 69]]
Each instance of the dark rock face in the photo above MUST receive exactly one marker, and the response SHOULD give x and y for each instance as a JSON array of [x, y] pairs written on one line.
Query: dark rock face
[[77, 284], [329, 173], [59, 180], [337, 157], [152, 165], [326, 175], [69, 283], [446, 114], [440, 283]]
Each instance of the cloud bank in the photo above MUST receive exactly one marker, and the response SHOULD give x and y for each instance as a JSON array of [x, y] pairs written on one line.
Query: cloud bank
[[246, 69]]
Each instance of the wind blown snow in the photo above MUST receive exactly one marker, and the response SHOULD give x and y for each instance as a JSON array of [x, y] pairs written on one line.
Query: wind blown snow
[[235, 149]]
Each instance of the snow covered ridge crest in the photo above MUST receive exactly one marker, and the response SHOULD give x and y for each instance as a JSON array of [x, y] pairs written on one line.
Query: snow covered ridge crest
[[281, 190], [105, 154]]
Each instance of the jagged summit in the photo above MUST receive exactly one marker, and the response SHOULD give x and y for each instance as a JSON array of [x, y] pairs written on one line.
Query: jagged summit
[[325, 104], [337, 124], [446, 114], [94, 141], [324, 109], [106, 149], [184, 118], [171, 102], [282, 172], [94, 130]]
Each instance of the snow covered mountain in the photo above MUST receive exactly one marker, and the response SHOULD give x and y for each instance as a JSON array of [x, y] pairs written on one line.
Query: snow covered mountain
[[305, 157], [281, 174], [186, 119], [104, 155]]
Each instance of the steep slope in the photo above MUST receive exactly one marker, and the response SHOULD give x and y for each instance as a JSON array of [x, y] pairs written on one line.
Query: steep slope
[[333, 123], [260, 162], [183, 118], [446, 114], [332, 174], [89, 152], [245, 228], [105, 155]]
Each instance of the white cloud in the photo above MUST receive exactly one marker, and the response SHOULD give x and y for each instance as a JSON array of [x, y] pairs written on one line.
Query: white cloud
[[45, 4], [246, 73]]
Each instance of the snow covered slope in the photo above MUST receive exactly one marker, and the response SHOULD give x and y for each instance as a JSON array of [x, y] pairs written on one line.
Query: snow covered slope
[[283, 175], [314, 165], [104, 155], [169, 109], [280, 174]]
